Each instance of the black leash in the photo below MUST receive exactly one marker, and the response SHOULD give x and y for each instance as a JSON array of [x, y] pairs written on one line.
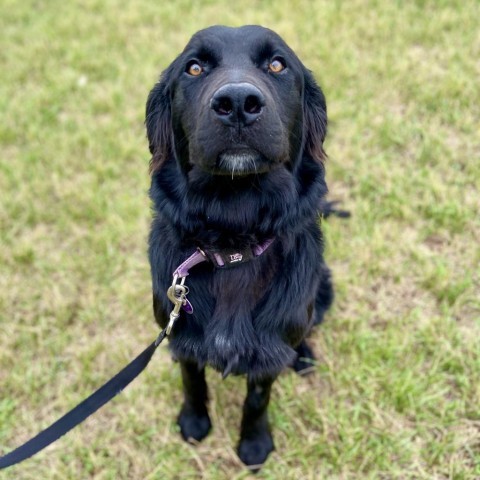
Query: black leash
[[84, 409], [177, 293]]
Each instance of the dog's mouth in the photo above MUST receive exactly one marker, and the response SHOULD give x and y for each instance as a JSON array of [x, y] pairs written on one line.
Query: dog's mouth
[[241, 161]]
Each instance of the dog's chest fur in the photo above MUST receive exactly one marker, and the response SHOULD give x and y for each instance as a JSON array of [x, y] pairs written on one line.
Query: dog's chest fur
[[246, 326], [247, 318]]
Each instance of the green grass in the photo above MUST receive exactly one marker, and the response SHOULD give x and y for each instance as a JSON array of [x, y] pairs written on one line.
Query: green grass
[[396, 392]]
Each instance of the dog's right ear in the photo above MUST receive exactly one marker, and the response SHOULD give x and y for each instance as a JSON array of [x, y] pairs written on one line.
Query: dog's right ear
[[315, 114], [158, 120]]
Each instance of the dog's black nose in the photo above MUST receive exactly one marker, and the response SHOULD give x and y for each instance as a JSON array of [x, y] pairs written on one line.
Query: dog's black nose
[[238, 103]]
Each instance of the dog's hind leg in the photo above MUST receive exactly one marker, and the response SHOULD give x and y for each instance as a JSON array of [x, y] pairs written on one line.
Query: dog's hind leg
[[193, 419], [304, 362], [256, 440], [325, 295]]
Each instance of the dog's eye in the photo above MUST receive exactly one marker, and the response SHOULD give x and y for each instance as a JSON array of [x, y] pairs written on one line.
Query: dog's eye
[[194, 69], [276, 65]]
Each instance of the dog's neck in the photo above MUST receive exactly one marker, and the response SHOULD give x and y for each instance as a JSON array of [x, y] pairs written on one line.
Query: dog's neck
[[216, 211]]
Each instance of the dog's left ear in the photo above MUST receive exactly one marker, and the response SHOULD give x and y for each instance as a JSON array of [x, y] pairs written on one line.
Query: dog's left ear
[[158, 120], [315, 118]]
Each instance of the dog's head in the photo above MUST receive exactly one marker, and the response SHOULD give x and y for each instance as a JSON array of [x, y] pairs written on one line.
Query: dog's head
[[236, 101]]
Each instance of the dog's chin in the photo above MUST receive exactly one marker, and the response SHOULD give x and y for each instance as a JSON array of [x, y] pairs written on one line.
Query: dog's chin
[[241, 162]]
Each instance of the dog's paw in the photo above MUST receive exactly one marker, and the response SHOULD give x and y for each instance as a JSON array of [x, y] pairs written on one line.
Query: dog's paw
[[194, 427], [304, 364], [254, 451]]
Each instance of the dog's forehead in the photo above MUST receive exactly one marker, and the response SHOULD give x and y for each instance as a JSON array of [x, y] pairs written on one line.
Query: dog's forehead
[[236, 42]]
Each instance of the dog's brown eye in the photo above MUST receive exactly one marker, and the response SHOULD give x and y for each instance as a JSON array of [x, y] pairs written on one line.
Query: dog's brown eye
[[194, 69], [276, 65]]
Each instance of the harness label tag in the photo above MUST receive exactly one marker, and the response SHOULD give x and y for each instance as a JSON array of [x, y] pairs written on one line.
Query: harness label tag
[[236, 257]]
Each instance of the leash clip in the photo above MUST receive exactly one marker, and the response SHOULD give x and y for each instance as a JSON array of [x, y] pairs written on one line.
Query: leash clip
[[177, 294]]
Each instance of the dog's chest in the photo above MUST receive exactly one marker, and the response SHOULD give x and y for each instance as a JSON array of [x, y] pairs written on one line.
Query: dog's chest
[[239, 289]]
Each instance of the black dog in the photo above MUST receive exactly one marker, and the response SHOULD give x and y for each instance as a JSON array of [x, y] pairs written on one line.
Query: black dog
[[236, 128]]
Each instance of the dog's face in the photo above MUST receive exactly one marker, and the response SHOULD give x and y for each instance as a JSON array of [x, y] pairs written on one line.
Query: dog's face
[[237, 101]]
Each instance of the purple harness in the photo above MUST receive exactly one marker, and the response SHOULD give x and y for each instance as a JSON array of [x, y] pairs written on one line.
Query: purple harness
[[177, 293], [223, 259]]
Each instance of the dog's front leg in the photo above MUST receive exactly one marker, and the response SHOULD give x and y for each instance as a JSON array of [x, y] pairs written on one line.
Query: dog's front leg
[[193, 419], [256, 440]]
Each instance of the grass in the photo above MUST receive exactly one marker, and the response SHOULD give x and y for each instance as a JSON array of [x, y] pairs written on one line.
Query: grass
[[396, 392]]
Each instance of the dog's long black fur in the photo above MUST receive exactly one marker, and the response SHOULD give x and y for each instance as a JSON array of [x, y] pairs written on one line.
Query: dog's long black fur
[[236, 127]]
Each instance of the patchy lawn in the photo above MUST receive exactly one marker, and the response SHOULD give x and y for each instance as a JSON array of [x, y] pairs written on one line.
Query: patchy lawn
[[396, 391]]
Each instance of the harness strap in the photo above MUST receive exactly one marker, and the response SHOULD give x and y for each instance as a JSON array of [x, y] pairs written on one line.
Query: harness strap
[[225, 258], [84, 409]]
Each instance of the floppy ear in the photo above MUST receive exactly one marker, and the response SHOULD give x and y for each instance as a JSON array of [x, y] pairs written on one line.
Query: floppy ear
[[158, 120], [315, 118]]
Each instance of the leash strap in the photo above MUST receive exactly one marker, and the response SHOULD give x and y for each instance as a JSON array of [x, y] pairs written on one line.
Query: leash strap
[[84, 409], [177, 293]]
